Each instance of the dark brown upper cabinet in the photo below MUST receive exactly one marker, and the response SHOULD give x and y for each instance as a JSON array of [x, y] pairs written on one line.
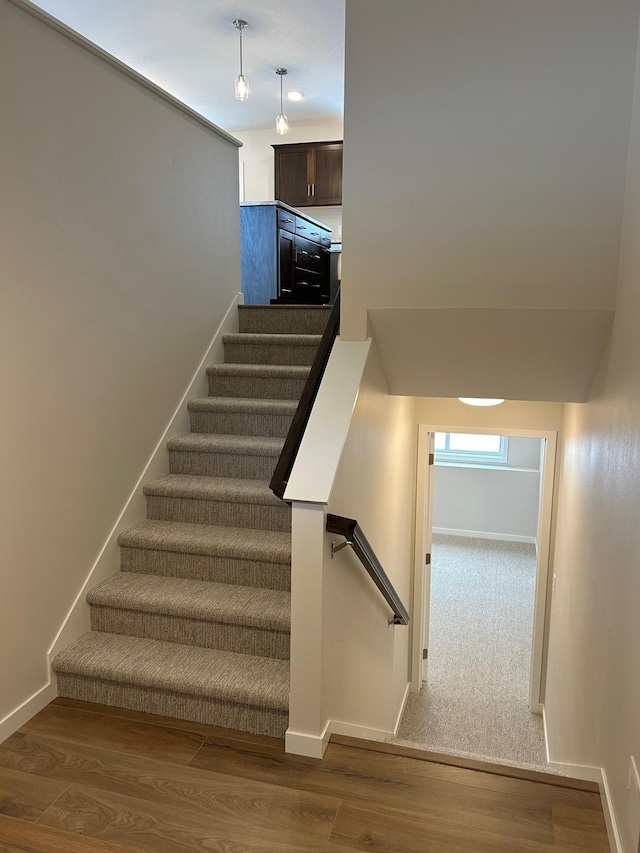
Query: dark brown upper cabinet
[[308, 174]]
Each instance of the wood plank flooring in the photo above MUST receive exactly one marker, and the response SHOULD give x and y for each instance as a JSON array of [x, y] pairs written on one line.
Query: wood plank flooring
[[82, 778]]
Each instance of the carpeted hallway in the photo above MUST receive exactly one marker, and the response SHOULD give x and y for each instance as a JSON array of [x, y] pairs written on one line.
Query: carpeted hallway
[[475, 702]]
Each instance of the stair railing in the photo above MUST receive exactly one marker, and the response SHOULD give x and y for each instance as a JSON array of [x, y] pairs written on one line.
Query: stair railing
[[294, 437], [354, 536]]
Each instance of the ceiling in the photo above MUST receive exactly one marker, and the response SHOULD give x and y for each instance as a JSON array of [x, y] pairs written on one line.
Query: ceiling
[[191, 49]]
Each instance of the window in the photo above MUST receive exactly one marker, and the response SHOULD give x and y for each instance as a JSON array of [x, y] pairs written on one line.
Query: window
[[470, 447]]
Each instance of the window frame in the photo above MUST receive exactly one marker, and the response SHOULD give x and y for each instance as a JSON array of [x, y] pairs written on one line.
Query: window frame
[[477, 457]]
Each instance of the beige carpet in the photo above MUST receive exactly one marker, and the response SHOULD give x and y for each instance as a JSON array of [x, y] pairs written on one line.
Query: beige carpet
[[475, 701]]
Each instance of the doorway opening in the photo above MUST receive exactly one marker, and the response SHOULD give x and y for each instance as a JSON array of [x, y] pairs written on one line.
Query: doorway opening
[[481, 590]]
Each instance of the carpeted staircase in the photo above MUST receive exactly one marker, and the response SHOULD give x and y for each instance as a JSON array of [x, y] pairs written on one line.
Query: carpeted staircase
[[196, 625]]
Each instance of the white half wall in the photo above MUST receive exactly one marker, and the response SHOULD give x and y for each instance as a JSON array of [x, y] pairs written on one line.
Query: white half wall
[[485, 154], [366, 661], [593, 696], [256, 157], [120, 258], [350, 670]]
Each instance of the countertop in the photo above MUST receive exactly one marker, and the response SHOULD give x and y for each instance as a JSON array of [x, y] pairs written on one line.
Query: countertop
[[288, 207]]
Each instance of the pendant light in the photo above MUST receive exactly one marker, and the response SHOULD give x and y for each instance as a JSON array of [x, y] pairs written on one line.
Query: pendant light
[[282, 122], [242, 87]]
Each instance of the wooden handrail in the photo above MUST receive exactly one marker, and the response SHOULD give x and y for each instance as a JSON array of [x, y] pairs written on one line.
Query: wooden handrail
[[354, 536], [293, 440]]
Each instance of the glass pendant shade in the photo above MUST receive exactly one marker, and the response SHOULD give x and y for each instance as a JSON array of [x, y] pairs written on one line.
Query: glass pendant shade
[[282, 122], [242, 88]]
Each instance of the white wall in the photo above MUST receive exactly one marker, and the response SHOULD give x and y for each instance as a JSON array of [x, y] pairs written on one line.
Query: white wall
[[257, 157], [497, 501], [485, 147], [593, 697], [365, 662], [513, 414], [119, 230]]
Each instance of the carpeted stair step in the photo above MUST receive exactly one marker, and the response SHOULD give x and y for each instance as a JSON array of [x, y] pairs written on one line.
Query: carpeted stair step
[[246, 457], [222, 501], [237, 416], [232, 555], [194, 613], [196, 626], [267, 381], [283, 319], [270, 349], [185, 682]]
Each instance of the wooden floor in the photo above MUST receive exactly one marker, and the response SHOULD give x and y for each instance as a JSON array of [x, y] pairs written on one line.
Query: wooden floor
[[88, 779]]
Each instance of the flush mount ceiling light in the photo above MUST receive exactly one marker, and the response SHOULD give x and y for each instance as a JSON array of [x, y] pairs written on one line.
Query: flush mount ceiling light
[[242, 87], [282, 122], [480, 401], [295, 96]]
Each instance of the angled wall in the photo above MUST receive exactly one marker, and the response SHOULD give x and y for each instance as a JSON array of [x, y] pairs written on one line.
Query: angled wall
[[119, 246], [485, 154]]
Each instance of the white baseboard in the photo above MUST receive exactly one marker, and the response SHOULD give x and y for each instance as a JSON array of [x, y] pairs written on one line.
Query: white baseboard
[[107, 563], [586, 772], [546, 734], [403, 705], [590, 773], [481, 534], [29, 708], [314, 746], [311, 746], [364, 732], [613, 830]]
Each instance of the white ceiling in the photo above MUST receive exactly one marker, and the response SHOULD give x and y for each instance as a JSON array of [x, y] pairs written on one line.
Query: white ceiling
[[191, 49]]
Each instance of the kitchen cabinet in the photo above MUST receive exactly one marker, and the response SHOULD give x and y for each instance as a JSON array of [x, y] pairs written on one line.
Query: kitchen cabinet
[[284, 255], [308, 174]]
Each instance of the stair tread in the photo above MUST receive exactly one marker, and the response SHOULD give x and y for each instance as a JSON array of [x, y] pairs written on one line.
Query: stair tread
[[227, 676], [213, 488], [260, 371], [307, 306], [271, 338], [217, 602], [208, 539], [243, 405], [205, 442]]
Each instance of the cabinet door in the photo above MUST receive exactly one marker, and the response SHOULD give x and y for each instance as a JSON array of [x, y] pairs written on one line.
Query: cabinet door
[[327, 183], [286, 264], [292, 175]]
